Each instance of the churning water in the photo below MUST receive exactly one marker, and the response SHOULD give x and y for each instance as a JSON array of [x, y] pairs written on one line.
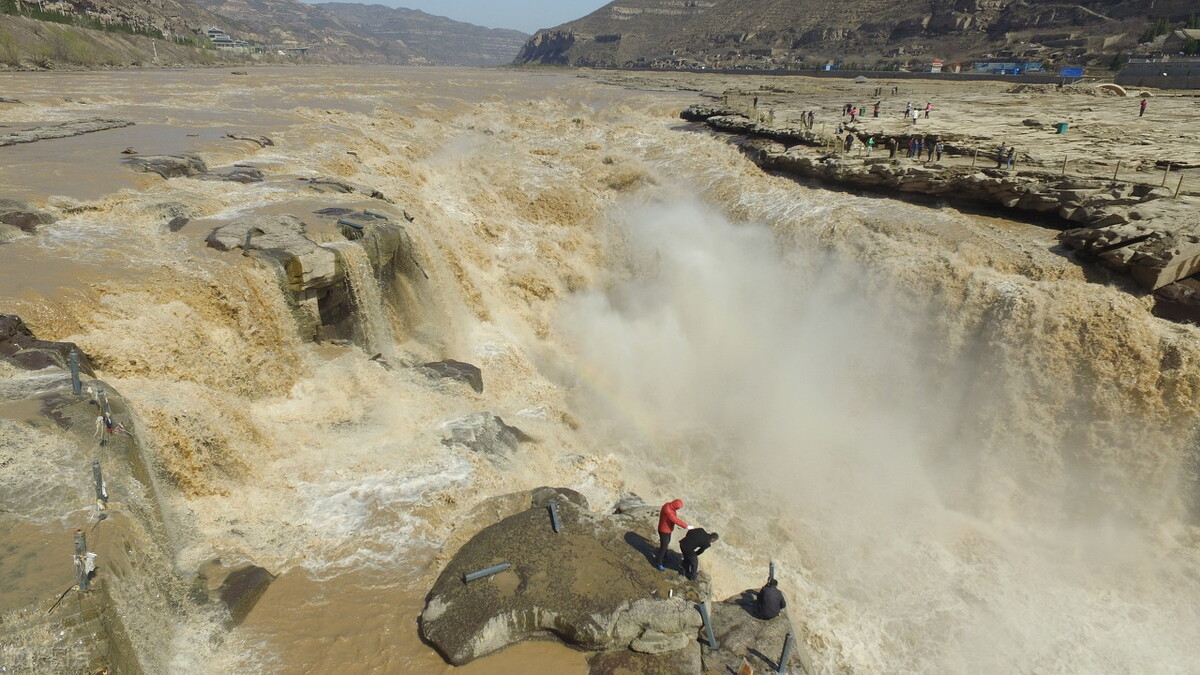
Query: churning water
[[963, 456]]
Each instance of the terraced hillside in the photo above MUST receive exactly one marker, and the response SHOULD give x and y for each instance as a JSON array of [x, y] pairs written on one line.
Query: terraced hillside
[[769, 34]]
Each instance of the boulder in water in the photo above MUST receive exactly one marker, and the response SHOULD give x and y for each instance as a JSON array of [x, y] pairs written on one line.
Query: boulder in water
[[456, 370], [237, 174], [591, 584], [169, 166], [484, 433], [19, 347], [327, 184], [741, 634], [22, 216], [262, 141]]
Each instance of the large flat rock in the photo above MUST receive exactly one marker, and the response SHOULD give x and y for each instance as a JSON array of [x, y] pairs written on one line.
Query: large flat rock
[[591, 585]]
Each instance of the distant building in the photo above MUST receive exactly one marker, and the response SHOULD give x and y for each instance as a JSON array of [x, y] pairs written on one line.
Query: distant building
[[1007, 67], [936, 66], [221, 40], [1167, 66]]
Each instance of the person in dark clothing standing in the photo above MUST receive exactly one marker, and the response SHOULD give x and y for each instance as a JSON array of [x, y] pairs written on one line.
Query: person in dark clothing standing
[[668, 519], [770, 600], [695, 542]]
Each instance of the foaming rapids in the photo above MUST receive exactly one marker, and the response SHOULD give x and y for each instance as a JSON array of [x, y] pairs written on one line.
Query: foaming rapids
[[959, 469]]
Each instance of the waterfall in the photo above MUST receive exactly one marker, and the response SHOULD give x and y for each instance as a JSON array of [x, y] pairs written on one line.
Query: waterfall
[[371, 324]]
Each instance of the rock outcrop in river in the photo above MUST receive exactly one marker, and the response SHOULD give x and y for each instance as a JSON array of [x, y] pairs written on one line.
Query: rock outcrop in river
[[590, 584], [1147, 232]]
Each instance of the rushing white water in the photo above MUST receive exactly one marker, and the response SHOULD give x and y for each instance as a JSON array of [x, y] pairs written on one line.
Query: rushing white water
[[963, 456], [371, 317]]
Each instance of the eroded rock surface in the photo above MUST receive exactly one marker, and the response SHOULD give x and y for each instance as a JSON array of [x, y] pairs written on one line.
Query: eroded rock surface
[[62, 130], [591, 585], [169, 166], [281, 237]]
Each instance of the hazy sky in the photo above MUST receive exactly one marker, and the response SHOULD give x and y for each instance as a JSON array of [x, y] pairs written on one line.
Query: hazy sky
[[522, 15]]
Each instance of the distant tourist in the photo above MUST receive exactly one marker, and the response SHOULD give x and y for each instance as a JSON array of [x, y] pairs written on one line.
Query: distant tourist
[[849, 142], [892, 145], [1000, 154], [895, 90], [929, 148], [1143, 107], [928, 108], [770, 600], [1010, 156], [870, 145], [695, 542], [853, 114], [939, 147], [668, 519], [876, 109], [915, 114], [907, 109]]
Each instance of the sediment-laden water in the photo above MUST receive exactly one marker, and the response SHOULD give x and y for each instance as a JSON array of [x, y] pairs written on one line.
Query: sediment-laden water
[[962, 455]]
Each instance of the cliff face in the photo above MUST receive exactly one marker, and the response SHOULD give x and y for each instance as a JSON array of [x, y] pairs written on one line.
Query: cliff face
[[769, 34]]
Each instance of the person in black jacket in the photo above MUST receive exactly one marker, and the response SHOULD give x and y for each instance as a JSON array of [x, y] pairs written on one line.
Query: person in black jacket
[[770, 600], [695, 542]]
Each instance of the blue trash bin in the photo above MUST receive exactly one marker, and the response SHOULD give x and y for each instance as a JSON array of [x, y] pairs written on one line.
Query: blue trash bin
[[1062, 127]]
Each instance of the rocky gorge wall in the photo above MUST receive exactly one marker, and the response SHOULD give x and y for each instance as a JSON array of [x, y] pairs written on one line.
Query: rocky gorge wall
[[1149, 233]]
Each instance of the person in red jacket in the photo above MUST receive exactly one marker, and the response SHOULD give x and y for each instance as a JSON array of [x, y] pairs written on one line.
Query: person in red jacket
[[667, 520]]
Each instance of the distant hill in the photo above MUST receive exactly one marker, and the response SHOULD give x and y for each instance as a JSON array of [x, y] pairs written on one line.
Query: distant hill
[[293, 23], [435, 38], [770, 34], [92, 33]]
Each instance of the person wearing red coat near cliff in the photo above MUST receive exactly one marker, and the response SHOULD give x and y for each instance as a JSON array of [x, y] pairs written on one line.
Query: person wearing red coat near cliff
[[667, 520]]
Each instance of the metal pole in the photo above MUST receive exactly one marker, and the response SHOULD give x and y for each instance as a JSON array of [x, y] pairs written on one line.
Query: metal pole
[[1167, 171], [1116, 169], [73, 359], [975, 157], [712, 639], [1064, 169], [81, 574], [553, 506], [494, 569], [250, 233], [787, 651], [101, 489], [771, 573], [102, 398], [1179, 185]]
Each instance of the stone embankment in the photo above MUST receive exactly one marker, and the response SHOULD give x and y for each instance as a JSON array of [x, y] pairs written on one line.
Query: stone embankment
[[590, 583], [1147, 232]]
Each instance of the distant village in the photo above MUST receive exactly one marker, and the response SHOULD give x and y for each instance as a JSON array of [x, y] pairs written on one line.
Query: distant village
[[222, 40], [1172, 54]]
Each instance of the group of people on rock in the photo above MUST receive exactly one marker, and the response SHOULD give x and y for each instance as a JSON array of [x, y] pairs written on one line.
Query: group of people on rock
[[1006, 156], [770, 600]]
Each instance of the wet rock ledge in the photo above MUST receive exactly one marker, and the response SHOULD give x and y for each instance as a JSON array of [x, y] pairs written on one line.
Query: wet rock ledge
[[592, 586], [1140, 230]]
